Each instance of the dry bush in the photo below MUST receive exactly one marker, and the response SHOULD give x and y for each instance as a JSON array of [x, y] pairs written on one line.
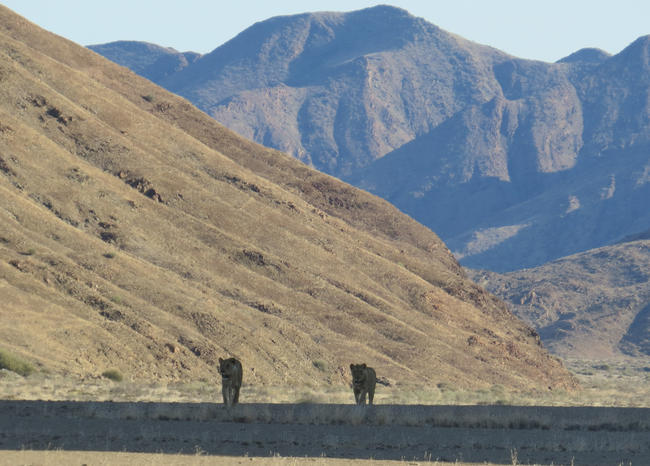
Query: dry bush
[[113, 374], [15, 364]]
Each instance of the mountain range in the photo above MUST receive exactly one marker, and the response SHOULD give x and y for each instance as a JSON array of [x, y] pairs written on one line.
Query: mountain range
[[138, 233], [513, 162]]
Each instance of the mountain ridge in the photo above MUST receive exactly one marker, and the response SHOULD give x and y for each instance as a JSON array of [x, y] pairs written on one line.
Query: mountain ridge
[[146, 59], [438, 125]]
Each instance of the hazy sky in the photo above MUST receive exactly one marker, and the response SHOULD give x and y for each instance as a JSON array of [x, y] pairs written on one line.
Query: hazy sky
[[544, 30]]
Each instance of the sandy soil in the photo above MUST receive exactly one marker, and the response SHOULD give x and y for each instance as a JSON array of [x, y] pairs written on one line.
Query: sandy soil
[[67, 458]]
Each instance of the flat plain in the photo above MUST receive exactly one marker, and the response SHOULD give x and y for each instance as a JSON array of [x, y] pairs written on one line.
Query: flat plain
[[105, 422], [494, 433]]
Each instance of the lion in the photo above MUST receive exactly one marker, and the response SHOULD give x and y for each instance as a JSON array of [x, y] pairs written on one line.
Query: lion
[[364, 380], [231, 376]]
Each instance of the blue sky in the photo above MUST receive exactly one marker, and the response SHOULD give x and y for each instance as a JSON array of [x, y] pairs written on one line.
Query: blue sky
[[542, 30]]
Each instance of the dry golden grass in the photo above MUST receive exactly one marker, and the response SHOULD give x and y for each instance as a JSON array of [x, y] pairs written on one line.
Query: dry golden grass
[[604, 383], [619, 382], [65, 458]]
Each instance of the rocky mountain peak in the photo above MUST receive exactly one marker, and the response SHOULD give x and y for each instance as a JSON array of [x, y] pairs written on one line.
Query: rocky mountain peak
[[586, 55]]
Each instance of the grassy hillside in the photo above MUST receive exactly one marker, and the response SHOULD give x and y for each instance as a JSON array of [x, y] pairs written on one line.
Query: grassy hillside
[[138, 234]]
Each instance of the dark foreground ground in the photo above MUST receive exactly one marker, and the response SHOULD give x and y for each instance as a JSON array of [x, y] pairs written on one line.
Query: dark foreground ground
[[497, 434]]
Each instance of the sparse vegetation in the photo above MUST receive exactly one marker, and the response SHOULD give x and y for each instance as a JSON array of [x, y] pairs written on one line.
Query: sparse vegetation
[[320, 365], [117, 299], [626, 377], [15, 364], [113, 374], [65, 458], [626, 384]]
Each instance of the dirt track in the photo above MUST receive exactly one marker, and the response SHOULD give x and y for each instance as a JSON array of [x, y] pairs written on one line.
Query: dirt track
[[447, 433]]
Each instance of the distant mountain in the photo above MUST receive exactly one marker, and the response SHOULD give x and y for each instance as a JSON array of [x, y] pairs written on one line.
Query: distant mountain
[[138, 233], [586, 55], [337, 90], [595, 304], [514, 162], [149, 60]]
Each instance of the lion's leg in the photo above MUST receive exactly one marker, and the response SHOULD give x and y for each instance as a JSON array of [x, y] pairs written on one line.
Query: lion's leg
[[371, 395], [236, 397], [231, 396]]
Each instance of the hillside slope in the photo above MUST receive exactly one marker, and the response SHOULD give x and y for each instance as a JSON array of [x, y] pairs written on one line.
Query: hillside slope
[[592, 305], [136, 232], [513, 162]]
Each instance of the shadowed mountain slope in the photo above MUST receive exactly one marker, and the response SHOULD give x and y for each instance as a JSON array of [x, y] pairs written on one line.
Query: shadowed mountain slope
[[556, 162], [592, 305], [513, 162], [136, 232]]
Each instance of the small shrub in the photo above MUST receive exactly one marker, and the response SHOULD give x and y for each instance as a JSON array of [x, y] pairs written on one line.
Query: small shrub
[[305, 400], [117, 299], [498, 391], [148, 97], [514, 456], [109, 255], [29, 252], [113, 374], [445, 387], [320, 365], [15, 364]]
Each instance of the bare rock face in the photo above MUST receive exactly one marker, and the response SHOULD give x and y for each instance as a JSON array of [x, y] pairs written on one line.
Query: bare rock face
[[590, 305]]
